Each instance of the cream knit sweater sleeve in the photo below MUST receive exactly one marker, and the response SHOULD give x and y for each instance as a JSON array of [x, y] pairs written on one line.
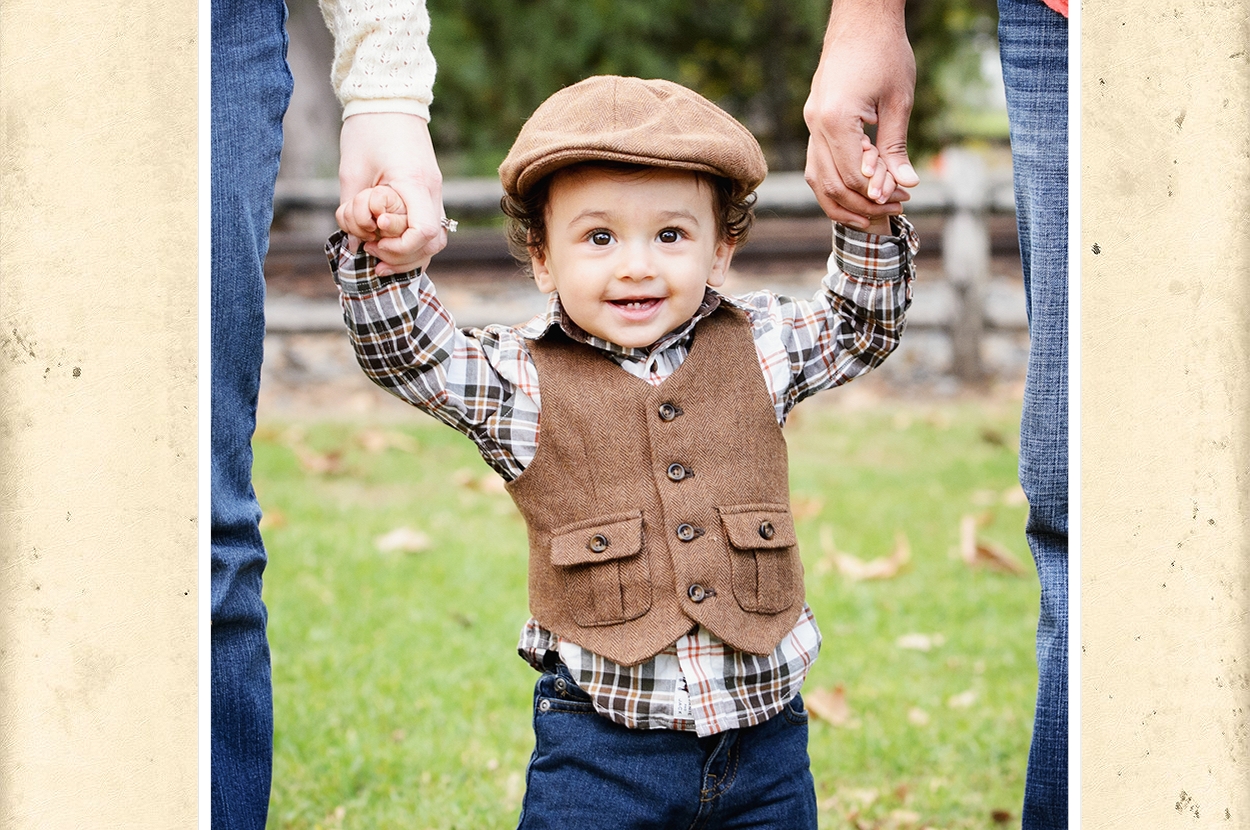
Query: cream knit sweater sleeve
[[382, 58]]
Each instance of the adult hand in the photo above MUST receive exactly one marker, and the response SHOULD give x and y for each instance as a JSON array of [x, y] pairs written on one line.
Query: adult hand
[[866, 75], [392, 149]]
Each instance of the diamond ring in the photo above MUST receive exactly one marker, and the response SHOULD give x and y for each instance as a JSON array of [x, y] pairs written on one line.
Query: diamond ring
[[449, 224]]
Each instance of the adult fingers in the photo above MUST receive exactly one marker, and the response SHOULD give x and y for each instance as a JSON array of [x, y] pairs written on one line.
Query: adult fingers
[[892, 143], [838, 201]]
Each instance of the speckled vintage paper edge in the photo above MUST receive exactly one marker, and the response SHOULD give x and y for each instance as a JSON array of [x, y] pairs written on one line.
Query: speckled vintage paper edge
[[1165, 464], [98, 421]]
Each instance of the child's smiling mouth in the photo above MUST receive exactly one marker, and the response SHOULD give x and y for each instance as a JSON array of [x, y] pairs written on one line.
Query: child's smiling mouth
[[639, 306]]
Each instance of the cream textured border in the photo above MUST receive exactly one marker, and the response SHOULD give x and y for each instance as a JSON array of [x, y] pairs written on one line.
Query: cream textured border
[[98, 422], [1165, 478]]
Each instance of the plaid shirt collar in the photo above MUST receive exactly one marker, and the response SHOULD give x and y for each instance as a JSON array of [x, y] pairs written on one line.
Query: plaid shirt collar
[[554, 316]]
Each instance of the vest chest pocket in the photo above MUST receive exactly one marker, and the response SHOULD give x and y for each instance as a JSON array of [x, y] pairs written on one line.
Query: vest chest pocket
[[767, 574], [604, 570]]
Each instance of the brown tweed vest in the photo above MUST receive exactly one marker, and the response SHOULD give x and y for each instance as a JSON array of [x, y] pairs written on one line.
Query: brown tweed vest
[[654, 508]]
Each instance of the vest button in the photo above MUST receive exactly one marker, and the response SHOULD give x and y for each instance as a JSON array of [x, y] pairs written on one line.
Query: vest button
[[767, 531], [599, 543], [676, 472], [696, 593], [669, 411], [686, 532]]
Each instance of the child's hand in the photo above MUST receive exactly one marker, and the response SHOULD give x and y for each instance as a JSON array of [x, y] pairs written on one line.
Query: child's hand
[[375, 213], [882, 187]]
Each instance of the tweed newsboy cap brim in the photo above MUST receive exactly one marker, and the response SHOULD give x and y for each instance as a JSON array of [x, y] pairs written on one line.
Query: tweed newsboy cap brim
[[649, 122]]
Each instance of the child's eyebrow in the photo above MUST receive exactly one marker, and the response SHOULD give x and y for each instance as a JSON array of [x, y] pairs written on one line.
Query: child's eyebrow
[[603, 215]]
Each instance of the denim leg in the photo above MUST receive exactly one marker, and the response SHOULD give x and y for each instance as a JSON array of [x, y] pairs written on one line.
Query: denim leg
[[764, 780], [589, 772], [1033, 41], [251, 87]]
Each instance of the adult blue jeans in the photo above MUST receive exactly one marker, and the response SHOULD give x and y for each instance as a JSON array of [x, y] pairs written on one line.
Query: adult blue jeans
[[1033, 43], [251, 86], [589, 772]]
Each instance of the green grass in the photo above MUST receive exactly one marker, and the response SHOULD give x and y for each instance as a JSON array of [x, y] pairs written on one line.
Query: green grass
[[400, 701]]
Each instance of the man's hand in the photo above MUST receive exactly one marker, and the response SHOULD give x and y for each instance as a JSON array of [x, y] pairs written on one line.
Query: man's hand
[[866, 75], [392, 149]]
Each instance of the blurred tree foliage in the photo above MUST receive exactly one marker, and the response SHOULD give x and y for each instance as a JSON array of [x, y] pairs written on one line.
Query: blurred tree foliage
[[499, 59]]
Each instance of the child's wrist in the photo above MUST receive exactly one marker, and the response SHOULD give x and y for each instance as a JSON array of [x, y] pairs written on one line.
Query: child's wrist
[[881, 226]]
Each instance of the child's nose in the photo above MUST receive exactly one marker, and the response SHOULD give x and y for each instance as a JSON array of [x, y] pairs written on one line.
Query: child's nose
[[637, 261]]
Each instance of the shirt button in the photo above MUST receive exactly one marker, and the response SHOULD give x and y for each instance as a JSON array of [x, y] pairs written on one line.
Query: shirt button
[[599, 543], [767, 531], [696, 593], [669, 411], [686, 532], [676, 472]]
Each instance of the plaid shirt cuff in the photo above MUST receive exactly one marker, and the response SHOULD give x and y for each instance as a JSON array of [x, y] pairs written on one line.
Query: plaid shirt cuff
[[870, 257], [354, 271]]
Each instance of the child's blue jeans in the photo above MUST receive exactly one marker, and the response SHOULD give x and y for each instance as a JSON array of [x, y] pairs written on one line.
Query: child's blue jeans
[[589, 772]]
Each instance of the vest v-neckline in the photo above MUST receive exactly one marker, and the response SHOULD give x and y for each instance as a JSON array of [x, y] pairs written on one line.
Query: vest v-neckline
[[693, 341]]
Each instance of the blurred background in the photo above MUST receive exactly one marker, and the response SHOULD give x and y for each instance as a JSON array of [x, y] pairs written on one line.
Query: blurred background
[[498, 59]]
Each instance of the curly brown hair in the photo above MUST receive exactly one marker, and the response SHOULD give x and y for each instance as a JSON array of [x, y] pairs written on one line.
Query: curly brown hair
[[527, 216]]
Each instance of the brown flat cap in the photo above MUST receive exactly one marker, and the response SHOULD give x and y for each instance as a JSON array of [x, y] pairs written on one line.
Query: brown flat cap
[[611, 118]]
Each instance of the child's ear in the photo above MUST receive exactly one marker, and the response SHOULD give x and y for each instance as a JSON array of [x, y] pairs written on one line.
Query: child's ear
[[720, 262], [542, 274], [538, 265]]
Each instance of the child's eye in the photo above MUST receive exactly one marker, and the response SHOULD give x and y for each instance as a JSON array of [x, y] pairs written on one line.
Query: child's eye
[[670, 235], [600, 238]]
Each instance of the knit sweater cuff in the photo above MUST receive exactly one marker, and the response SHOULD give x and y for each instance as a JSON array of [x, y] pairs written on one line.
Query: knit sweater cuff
[[410, 106]]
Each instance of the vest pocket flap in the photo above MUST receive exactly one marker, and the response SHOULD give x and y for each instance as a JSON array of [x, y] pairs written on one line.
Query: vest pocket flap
[[756, 527], [599, 540]]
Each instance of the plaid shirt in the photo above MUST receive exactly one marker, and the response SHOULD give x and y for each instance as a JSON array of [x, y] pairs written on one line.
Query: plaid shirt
[[483, 383]]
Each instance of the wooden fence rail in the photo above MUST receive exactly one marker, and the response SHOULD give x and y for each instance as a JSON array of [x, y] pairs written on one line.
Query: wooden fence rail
[[966, 194]]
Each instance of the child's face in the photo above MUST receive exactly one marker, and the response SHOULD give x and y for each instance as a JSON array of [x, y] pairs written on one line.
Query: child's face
[[630, 253]]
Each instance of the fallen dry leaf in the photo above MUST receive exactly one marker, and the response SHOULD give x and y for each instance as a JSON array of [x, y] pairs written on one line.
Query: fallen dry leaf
[[372, 440], [920, 642], [865, 797], [976, 551], [806, 506], [319, 463], [829, 705], [378, 440], [310, 460], [904, 818], [492, 483], [1001, 816], [855, 569], [402, 539], [998, 558], [485, 483], [962, 700], [272, 518], [826, 563], [993, 437], [1014, 496], [984, 498]]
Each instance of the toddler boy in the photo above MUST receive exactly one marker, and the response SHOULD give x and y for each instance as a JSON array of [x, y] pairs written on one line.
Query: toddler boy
[[638, 425]]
